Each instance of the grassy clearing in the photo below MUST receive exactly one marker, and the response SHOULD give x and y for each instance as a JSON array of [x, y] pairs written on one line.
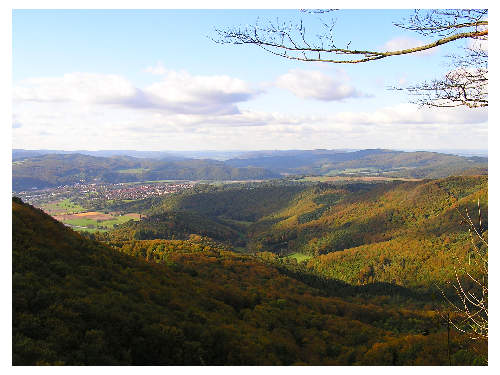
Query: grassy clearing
[[237, 222], [133, 170], [162, 181], [300, 257], [82, 222], [89, 224], [90, 230], [119, 220], [62, 207], [355, 178]]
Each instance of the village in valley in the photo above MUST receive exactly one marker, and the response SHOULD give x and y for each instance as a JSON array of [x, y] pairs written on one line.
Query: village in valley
[[89, 206], [95, 191]]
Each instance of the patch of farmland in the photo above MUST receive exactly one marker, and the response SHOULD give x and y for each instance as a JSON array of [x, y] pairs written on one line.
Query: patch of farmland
[[94, 220]]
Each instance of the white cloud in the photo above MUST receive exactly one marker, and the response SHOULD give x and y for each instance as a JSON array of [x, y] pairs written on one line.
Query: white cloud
[[401, 43], [159, 69], [412, 114], [15, 122], [183, 111], [383, 120], [183, 93], [77, 87], [178, 92], [402, 126], [318, 85]]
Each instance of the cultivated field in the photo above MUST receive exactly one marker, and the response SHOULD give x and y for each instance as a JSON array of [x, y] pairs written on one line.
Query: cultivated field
[[62, 207], [355, 178], [75, 216], [299, 257]]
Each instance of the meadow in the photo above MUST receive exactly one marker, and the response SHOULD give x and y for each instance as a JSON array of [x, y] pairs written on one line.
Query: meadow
[[299, 257], [80, 219], [62, 207]]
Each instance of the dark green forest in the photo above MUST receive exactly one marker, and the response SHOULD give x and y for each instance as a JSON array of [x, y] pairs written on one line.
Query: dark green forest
[[208, 277], [77, 301], [212, 244]]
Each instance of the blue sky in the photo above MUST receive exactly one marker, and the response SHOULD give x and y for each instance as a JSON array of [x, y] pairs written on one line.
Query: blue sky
[[154, 80]]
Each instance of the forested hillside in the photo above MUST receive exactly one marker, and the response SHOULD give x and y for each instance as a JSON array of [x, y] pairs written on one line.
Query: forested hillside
[[404, 233], [224, 213], [409, 233], [61, 169], [155, 302], [419, 164], [50, 170], [221, 208]]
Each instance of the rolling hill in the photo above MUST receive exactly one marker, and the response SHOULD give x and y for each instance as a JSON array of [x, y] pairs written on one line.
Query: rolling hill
[[63, 169], [404, 233], [79, 302], [33, 169], [420, 164]]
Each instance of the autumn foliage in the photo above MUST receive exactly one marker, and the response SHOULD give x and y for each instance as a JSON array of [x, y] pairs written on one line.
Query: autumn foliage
[[147, 302]]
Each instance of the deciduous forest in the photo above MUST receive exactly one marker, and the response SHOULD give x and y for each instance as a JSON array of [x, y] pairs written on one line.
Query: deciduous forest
[[356, 232], [209, 277]]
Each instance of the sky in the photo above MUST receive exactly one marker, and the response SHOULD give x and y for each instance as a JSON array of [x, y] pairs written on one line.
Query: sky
[[156, 80]]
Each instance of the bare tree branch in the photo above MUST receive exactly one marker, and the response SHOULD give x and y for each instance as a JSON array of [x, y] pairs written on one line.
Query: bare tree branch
[[288, 44], [471, 313], [466, 85], [271, 37]]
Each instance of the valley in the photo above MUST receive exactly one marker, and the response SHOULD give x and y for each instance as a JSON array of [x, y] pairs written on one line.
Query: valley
[[193, 301], [249, 187], [354, 230], [85, 207], [305, 269]]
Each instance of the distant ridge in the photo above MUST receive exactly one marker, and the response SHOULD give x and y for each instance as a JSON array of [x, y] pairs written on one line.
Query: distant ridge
[[18, 154], [34, 169], [52, 170], [418, 164]]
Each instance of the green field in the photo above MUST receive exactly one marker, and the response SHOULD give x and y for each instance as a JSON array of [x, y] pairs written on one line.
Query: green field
[[362, 171], [81, 222], [133, 170], [352, 178], [237, 222], [90, 230], [160, 181], [62, 207], [300, 257], [93, 224]]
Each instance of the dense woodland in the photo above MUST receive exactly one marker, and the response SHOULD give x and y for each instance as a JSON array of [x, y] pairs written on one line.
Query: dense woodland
[[280, 257], [170, 289], [404, 233], [77, 301]]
